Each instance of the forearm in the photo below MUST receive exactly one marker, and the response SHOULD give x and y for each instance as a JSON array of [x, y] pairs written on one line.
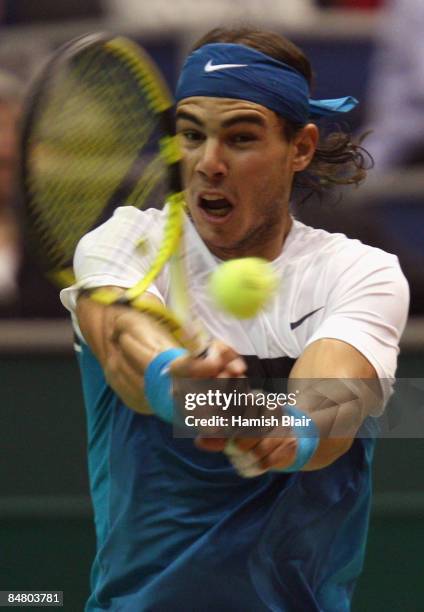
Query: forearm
[[124, 341], [338, 389]]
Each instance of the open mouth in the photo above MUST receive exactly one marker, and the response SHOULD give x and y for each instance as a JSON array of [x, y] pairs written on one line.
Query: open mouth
[[215, 206]]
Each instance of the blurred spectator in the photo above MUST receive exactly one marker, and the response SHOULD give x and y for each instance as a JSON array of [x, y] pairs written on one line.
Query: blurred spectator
[[10, 102], [28, 11], [397, 87], [351, 4], [24, 292]]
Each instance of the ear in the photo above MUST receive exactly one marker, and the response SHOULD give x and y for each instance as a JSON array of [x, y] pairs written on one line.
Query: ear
[[305, 143]]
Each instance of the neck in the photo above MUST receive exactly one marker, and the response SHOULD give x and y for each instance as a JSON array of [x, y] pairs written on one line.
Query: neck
[[265, 241]]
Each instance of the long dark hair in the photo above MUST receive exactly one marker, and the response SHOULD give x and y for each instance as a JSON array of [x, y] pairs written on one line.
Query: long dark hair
[[338, 159]]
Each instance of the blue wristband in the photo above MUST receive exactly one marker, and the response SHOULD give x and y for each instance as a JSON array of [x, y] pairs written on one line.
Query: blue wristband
[[158, 383], [307, 440]]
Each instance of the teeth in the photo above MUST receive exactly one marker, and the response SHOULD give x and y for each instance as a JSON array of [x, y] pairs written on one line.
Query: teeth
[[218, 212], [212, 197]]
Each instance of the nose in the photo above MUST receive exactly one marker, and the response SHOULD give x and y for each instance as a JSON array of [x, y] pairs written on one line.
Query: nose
[[211, 163]]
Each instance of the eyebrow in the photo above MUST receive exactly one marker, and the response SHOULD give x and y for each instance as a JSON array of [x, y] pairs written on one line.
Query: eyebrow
[[189, 117], [252, 118]]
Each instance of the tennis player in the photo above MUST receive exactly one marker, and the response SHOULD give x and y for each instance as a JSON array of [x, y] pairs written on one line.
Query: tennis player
[[280, 525]]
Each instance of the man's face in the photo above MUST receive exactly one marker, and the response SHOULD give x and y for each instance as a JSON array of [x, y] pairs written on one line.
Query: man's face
[[238, 171]]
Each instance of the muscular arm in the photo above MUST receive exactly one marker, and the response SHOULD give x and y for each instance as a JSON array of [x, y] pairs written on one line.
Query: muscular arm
[[338, 387], [125, 342]]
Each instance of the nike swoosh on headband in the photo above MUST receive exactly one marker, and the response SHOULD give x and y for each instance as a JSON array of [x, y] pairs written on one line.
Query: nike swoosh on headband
[[209, 67], [300, 321], [268, 82]]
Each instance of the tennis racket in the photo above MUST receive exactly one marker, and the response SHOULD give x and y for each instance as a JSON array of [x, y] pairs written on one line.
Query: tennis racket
[[98, 133]]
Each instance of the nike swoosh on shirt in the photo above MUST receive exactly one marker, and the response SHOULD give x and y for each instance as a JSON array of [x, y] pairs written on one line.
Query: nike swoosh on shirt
[[209, 67], [300, 321]]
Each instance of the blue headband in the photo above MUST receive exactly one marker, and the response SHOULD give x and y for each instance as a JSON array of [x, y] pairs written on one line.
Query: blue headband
[[227, 70]]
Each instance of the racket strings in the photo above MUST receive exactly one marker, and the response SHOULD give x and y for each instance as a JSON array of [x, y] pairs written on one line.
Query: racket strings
[[79, 161], [99, 133]]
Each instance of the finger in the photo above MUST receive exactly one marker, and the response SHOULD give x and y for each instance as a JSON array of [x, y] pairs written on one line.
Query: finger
[[213, 445], [227, 358], [248, 471], [229, 374], [245, 444], [267, 454], [210, 366], [195, 367], [265, 446], [282, 456], [235, 368], [244, 463], [230, 359]]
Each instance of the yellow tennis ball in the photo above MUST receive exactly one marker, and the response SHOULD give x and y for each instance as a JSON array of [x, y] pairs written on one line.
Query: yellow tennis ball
[[242, 287]]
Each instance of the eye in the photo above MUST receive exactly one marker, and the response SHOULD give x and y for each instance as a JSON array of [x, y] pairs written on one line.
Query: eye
[[243, 138], [191, 136]]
